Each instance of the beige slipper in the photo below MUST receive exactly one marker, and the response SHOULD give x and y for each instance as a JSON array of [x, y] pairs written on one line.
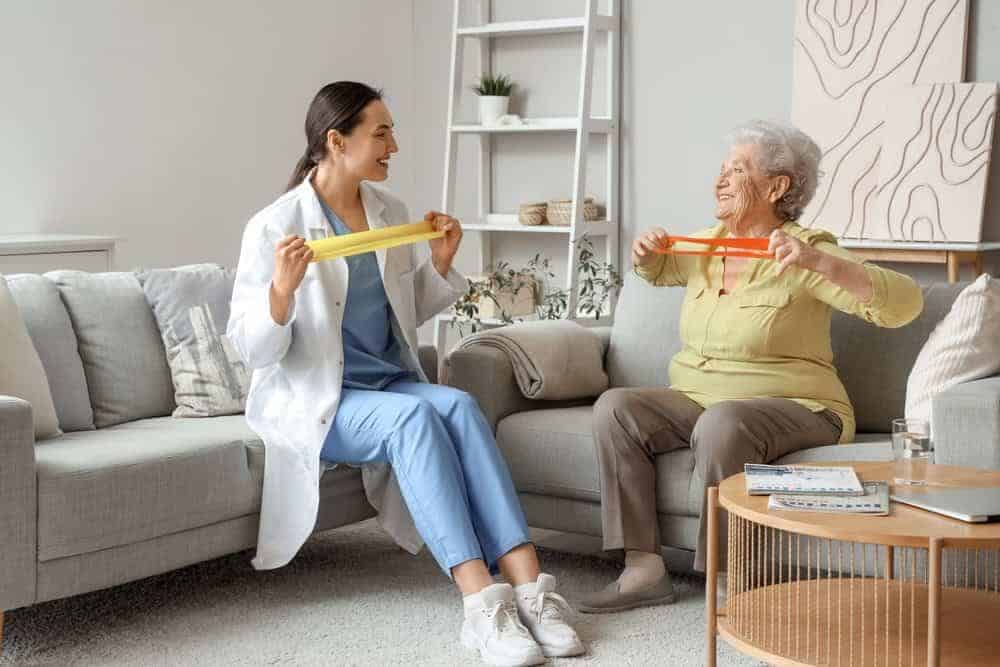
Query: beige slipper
[[611, 599]]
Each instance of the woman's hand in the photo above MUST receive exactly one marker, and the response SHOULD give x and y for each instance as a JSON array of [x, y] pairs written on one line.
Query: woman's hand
[[790, 251], [852, 276], [644, 247], [291, 258], [443, 249]]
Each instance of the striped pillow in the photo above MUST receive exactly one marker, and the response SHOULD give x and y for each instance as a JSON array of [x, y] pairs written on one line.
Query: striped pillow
[[964, 346]]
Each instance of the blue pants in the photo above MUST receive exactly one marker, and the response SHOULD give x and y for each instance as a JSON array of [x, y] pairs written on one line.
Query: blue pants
[[453, 479]]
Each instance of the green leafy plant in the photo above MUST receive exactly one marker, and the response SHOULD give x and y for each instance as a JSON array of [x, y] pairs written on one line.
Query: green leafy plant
[[597, 282], [496, 86]]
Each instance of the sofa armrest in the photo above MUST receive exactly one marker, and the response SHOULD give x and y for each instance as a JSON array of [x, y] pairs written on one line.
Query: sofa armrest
[[18, 498], [428, 356], [966, 424], [604, 333], [486, 373]]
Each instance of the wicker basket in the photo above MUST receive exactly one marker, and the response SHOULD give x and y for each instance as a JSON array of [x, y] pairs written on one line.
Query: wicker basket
[[532, 214], [559, 211]]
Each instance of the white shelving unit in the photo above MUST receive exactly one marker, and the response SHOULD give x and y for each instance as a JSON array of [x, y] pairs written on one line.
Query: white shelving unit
[[591, 25]]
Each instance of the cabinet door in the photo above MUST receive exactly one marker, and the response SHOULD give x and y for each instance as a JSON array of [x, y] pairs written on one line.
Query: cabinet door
[[40, 263]]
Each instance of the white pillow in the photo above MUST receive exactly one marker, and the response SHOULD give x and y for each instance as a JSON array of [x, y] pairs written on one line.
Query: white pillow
[[965, 345], [21, 371]]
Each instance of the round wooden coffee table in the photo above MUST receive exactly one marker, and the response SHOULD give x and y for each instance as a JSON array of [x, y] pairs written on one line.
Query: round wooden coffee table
[[808, 588]]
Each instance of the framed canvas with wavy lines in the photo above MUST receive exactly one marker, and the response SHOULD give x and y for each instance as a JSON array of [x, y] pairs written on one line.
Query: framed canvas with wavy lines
[[933, 169], [906, 146]]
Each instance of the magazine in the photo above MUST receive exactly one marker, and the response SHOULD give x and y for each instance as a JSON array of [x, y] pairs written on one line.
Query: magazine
[[763, 480], [875, 502]]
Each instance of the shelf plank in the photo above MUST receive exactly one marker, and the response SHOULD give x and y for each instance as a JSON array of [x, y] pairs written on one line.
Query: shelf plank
[[596, 228], [582, 319], [539, 27], [596, 125]]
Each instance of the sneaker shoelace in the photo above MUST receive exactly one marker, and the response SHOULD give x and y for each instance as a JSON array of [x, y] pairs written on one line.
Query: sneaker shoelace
[[504, 620], [551, 607]]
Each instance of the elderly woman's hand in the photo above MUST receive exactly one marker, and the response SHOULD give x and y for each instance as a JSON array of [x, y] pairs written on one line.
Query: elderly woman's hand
[[643, 248], [790, 251]]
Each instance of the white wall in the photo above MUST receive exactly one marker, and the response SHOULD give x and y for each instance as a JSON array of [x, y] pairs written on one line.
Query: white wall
[[170, 123], [691, 72]]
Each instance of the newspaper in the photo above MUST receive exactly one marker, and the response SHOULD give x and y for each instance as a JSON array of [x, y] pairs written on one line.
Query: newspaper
[[875, 502], [763, 480]]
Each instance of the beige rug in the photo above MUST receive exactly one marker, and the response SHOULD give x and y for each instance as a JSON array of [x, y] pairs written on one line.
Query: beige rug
[[350, 598]]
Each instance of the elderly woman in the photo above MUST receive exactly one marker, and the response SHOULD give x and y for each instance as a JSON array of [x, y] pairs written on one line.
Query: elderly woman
[[754, 379]]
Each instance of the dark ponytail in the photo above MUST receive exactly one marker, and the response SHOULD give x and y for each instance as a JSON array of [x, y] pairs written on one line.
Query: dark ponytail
[[337, 106]]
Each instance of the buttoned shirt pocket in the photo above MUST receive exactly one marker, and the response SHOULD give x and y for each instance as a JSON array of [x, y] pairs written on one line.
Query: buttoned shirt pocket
[[758, 315]]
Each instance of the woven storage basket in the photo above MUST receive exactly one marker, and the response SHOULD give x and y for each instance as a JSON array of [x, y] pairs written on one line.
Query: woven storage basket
[[559, 211], [532, 214]]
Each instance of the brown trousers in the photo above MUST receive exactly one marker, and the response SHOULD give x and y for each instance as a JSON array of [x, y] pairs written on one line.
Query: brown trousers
[[633, 425]]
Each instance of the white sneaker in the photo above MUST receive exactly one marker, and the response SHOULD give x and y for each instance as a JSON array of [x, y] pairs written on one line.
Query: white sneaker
[[493, 628], [546, 614]]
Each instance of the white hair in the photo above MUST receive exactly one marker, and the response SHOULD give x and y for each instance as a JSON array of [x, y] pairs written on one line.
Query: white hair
[[783, 150]]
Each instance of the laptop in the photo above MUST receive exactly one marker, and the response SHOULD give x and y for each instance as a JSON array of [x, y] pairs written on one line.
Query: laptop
[[974, 505]]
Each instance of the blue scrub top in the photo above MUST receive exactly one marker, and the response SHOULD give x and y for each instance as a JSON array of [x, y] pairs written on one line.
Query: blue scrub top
[[371, 352]]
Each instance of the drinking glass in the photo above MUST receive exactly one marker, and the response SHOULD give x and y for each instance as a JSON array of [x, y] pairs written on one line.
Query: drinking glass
[[912, 450]]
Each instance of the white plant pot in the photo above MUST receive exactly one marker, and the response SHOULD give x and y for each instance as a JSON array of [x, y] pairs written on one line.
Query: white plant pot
[[491, 108]]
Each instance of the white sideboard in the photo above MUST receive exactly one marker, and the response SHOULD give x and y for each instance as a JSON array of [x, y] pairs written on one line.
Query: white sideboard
[[38, 253]]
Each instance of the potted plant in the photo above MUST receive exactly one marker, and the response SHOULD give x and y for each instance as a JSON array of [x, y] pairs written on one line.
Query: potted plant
[[494, 97], [597, 282]]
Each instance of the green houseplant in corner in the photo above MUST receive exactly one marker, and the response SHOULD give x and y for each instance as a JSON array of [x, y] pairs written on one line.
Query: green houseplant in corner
[[494, 97]]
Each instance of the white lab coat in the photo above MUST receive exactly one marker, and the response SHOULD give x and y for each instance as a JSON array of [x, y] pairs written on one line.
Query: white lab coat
[[298, 368]]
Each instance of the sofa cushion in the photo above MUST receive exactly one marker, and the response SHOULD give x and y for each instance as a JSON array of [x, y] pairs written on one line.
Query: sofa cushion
[[874, 363], [964, 346], [143, 479], [51, 331], [645, 334], [119, 343], [22, 374], [191, 307], [155, 477], [551, 452]]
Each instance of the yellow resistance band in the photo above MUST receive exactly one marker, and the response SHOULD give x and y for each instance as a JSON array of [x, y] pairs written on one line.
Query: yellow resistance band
[[373, 239]]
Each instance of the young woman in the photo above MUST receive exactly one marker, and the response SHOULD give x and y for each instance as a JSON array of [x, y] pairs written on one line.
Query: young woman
[[336, 378]]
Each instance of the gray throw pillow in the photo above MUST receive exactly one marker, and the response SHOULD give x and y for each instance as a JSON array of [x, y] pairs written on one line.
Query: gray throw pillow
[[119, 344], [191, 306]]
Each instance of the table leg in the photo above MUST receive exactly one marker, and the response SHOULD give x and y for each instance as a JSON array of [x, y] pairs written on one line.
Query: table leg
[[711, 575], [977, 264], [934, 603], [890, 562], [953, 266]]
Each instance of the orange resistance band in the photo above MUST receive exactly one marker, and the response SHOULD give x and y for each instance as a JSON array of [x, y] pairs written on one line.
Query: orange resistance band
[[746, 247]]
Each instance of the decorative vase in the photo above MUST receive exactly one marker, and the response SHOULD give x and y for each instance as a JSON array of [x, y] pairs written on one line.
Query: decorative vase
[[491, 108]]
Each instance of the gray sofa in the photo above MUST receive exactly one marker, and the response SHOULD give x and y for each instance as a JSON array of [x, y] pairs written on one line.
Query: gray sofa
[[143, 492], [550, 450]]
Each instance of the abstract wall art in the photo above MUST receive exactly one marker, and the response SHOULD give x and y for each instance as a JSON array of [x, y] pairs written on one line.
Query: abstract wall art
[[906, 146]]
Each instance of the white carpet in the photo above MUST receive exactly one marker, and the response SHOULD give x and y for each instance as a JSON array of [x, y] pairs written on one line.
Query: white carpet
[[351, 597]]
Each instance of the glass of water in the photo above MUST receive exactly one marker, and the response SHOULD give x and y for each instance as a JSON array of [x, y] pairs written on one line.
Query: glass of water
[[912, 450]]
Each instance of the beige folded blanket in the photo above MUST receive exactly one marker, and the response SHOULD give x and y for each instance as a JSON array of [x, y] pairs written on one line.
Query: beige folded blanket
[[552, 359]]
